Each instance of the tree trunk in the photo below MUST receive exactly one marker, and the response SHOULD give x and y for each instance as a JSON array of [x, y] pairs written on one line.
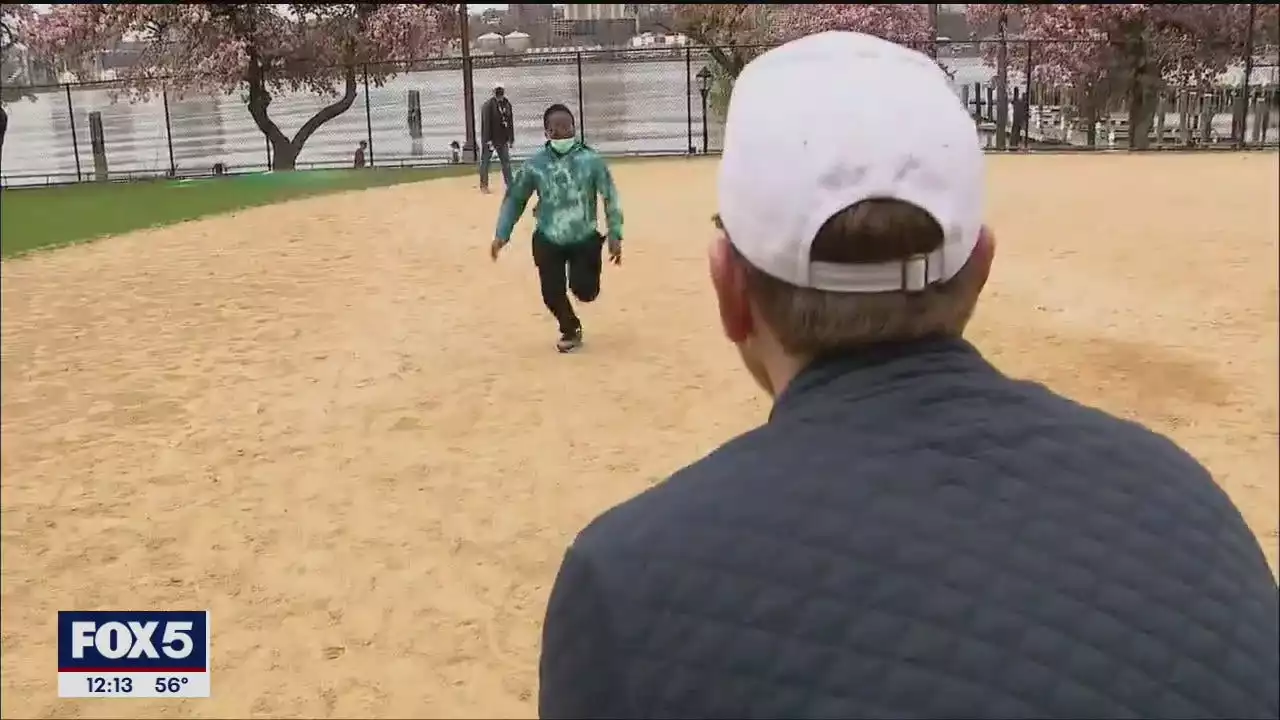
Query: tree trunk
[[4, 127], [731, 62], [285, 150], [1142, 106], [284, 155], [1143, 82]]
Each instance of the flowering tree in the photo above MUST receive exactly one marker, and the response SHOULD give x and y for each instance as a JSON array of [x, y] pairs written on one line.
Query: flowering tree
[[263, 49], [15, 18], [1129, 51], [905, 24], [734, 34]]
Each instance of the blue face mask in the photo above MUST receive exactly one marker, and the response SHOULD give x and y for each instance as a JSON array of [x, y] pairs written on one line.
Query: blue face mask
[[563, 145]]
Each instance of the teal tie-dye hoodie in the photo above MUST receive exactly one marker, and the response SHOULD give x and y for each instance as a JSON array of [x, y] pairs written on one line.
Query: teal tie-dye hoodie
[[567, 186]]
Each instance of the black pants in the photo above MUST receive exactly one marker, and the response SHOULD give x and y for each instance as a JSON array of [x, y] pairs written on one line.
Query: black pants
[[581, 263]]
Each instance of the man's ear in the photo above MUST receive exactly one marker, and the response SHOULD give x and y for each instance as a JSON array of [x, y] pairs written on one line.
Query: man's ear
[[729, 278]]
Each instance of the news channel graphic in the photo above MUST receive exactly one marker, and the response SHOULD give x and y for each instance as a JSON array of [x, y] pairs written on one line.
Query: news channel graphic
[[122, 654]]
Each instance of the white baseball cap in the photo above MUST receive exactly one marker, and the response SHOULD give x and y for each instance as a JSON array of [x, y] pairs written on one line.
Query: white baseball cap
[[830, 120]]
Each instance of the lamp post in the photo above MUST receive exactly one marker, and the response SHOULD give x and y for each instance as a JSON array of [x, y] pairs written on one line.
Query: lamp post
[[704, 88], [468, 86], [933, 29]]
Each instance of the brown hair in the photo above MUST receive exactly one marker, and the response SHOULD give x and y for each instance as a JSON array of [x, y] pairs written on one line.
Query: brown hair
[[814, 322]]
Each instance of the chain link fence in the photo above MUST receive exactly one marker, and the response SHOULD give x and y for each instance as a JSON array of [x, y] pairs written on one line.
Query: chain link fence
[[628, 102]]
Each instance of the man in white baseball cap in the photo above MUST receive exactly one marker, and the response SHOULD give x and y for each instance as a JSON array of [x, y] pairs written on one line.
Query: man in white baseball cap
[[863, 225], [911, 534]]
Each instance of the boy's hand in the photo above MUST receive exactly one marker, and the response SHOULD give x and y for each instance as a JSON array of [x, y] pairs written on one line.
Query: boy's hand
[[615, 250], [496, 248]]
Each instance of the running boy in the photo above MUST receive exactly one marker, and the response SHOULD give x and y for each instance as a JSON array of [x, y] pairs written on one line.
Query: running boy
[[567, 176]]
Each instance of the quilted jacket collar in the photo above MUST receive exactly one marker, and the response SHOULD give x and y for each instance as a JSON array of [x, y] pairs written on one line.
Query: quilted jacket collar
[[858, 373]]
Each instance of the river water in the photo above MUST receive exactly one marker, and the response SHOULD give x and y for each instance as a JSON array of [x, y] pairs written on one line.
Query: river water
[[628, 107]]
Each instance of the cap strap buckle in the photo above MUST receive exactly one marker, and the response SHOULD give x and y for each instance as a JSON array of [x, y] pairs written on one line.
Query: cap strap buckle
[[915, 273]]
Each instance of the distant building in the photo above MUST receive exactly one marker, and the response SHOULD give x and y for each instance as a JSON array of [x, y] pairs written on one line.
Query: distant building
[[654, 18], [535, 19], [517, 41], [596, 33], [527, 15], [490, 42], [658, 41], [597, 11], [561, 31]]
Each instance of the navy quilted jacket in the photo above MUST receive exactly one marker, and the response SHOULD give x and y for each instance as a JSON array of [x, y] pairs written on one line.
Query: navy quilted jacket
[[914, 535]]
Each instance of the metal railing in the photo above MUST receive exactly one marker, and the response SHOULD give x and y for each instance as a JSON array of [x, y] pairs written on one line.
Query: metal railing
[[649, 101]]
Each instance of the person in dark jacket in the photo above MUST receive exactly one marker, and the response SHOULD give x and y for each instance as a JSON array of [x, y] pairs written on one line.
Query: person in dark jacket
[[912, 534], [497, 133]]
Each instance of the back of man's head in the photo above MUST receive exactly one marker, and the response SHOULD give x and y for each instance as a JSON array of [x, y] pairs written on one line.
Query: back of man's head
[[861, 223]]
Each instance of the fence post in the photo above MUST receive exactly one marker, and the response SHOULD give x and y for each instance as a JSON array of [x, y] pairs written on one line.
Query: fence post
[[1002, 85], [368, 116], [582, 111], [1262, 121], [1184, 117], [98, 144], [1258, 103], [168, 132], [1242, 115], [1026, 120], [688, 93], [75, 142], [1161, 108]]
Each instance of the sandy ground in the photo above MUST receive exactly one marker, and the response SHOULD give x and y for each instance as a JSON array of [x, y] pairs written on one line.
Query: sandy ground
[[336, 425]]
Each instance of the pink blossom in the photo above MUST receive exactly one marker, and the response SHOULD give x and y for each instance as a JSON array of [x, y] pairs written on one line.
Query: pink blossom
[[208, 47], [1085, 44], [736, 33], [907, 24], [190, 48]]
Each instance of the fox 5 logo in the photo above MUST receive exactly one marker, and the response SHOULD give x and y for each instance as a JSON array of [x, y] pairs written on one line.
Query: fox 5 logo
[[105, 641], [132, 639]]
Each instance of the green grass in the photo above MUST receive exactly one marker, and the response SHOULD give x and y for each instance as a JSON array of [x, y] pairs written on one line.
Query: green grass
[[39, 218]]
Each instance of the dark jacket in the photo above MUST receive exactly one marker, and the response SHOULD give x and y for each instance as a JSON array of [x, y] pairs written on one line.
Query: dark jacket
[[914, 535], [497, 123]]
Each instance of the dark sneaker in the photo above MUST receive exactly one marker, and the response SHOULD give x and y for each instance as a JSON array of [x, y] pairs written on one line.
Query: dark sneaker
[[569, 342]]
